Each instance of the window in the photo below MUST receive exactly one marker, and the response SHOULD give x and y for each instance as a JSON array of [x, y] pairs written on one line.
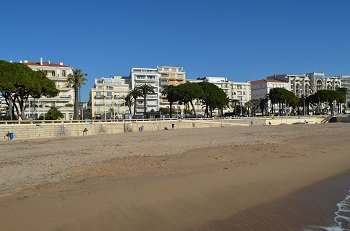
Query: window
[[53, 73], [109, 93], [64, 73], [239, 86], [98, 93]]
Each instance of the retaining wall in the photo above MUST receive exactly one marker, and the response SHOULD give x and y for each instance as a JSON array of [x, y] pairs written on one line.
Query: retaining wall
[[34, 130]]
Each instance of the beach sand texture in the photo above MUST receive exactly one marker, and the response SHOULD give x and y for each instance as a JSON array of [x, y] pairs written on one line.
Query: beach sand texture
[[166, 180]]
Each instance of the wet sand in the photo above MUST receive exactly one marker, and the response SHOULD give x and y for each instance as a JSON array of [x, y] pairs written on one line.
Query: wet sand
[[306, 209], [188, 179]]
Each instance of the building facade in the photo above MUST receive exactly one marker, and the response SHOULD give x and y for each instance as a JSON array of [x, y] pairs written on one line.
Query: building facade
[[107, 97], [58, 73], [345, 83], [169, 75], [310, 83], [238, 91], [149, 76]]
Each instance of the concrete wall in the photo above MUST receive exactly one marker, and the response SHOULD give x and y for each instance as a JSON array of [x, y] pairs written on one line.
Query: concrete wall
[[29, 130]]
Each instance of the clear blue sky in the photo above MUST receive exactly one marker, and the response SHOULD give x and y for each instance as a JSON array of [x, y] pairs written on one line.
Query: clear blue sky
[[242, 39]]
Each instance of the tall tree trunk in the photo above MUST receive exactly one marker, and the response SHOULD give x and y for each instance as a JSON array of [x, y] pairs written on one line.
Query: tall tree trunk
[[171, 110], [194, 110], [134, 107], [144, 105], [76, 101]]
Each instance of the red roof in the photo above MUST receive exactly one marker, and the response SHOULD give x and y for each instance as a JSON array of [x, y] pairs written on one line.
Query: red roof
[[265, 81], [44, 64]]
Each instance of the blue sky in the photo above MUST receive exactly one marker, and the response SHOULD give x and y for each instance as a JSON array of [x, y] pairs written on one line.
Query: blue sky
[[241, 39]]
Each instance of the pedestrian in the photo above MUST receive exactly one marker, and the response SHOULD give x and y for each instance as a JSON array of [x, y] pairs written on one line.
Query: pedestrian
[[173, 126]]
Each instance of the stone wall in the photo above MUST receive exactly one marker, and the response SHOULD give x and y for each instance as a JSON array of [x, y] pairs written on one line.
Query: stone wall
[[34, 130]]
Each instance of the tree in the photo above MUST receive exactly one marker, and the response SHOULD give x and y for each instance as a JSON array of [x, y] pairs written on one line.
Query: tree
[[188, 91], [76, 80], [18, 82], [145, 90], [54, 114], [252, 105], [173, 95], [213, 97], [263, 104], [234, 103], [134, 94], [282, 97], [128, 102]]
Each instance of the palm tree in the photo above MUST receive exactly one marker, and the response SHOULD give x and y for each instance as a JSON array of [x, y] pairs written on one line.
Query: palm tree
[[172, 95], [76, 80], [128, 102], [145, 90], [134, 94]]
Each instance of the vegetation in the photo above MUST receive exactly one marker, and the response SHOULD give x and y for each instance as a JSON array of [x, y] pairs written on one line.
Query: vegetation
[[76, 80], [144, 91], [54, 114], [18, 82], [283, 98], [172, 94], [327, 96]]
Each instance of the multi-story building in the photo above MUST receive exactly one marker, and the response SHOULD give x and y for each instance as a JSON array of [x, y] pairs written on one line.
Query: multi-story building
[[307, 84], [149, 76], [345, 83], [169, 75], [300, 85], [3, 106], [64, 100], [261, 88], [239, 91], [319, 81], [107, 97]]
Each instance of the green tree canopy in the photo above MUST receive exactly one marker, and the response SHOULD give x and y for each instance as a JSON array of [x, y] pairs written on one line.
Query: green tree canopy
[[213, 97], [76, 80], [145, 90], [188, 91], [172, 94], [54, 114], [18, 82]]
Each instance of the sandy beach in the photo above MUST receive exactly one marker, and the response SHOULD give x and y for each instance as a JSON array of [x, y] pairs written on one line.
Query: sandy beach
[[188, 179]]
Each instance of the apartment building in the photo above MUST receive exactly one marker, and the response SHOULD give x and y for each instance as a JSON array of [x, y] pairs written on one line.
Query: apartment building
[[310, 83], [345, 83], [300, 85], [3, 106], [108, 95], [261, 88], [149, 76], [57, 72], [169, 75], [240, 91]]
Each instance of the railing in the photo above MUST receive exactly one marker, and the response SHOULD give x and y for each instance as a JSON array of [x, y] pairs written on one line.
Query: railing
[[152, 119]]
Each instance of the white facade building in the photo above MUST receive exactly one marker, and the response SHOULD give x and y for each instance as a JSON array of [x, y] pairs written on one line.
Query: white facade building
[[64, 100], [240, 91], [149, 76], [108, 97], [261, 88]]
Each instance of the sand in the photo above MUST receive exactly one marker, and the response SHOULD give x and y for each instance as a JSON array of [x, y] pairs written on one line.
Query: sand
[[167, 180]]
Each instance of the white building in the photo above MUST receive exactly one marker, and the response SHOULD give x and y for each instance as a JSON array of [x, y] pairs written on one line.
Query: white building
[[149, 76], [240, 91], [308, 84], [108, 97], [261, 88], [64, 100], [300, 85], [345, 83]]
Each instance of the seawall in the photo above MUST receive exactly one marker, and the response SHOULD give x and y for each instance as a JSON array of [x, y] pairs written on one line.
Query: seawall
[[46, 129]]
